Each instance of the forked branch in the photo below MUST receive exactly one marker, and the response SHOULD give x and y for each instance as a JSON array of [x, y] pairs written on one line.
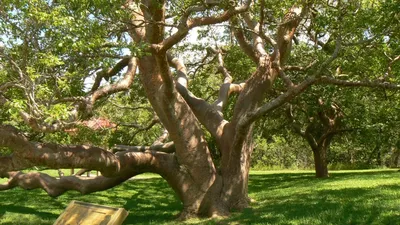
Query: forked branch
[[121, 85], [108, 73], [227, 87], [205, 112], [187, 23]]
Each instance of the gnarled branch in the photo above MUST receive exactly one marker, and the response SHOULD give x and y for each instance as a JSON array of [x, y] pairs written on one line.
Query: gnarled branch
[[188, 23], [121, 85], [135, 163], [107, 74]]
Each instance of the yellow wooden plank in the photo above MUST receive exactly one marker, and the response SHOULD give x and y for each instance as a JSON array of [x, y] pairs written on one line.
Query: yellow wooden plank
[[83, 213]]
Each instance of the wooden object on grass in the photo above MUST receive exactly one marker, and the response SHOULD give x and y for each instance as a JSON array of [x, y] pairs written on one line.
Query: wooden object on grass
[[82, 213]]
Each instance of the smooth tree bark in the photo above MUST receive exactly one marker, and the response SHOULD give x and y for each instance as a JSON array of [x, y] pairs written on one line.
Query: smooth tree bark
[[186, 163]]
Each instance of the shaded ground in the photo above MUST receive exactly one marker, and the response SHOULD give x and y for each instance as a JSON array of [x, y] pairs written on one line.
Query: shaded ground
[[347, 197]]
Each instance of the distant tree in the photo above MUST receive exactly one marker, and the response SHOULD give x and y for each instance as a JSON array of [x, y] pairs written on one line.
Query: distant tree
[[318, 129]]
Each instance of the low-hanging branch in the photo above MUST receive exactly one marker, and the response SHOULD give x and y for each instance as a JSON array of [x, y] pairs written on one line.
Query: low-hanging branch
[[27, 154], [56, 187], [135, 163]]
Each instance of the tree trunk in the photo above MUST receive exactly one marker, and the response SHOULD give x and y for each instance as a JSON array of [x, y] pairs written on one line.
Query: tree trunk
[[197, 183], [321, 165], [320, 158], [235, 166], [396, 157], [379, 157]]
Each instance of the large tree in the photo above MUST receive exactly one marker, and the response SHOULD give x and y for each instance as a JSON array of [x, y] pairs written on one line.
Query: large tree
[[50, 47]]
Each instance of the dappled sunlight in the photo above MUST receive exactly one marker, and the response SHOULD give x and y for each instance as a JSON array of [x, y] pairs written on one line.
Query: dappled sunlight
[[147, 198], [290, 197], [299, 198]]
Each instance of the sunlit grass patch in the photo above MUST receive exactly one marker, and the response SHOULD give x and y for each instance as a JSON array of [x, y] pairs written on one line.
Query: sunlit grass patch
[[282, 197]]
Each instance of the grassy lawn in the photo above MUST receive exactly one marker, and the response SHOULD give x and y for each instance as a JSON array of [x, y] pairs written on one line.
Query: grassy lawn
[[282, 197]]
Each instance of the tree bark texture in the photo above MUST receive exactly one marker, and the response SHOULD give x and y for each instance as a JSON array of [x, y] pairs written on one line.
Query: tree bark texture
[[320, 161]]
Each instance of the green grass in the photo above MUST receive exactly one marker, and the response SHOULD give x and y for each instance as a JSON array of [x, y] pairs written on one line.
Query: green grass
[[282, 197]]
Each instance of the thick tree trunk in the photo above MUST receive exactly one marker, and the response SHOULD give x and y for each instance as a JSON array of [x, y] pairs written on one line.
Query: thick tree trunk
[[197, 184], [319, 153], [235, 166], [320, 158], [320, 163]]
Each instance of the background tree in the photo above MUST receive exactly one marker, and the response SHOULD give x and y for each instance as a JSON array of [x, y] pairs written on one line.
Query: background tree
[[320, 129]]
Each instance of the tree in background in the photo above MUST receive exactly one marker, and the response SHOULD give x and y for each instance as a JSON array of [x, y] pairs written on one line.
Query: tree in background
[[52, 47], [319, 130]]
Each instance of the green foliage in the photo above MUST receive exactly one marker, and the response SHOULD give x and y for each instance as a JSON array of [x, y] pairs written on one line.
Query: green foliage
[[5, 151], [206, 83], [277, 152], [127, 109], [60, 45], [238, 63]]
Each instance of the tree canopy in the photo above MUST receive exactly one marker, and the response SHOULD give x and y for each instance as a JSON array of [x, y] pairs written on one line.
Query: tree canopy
[[181, 86]]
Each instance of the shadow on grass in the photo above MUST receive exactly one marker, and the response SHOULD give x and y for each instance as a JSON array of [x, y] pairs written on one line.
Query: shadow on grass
[[299, 198], [25, 210], [365, 174], [149, 201], [282, 198], [153, 203]]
